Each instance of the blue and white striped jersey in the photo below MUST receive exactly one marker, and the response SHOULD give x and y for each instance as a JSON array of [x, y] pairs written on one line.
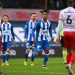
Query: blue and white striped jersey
[[7, 32], [44, 30], [28, 30]]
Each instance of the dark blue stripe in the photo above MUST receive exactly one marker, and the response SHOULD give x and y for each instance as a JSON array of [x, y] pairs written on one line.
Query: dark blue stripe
[[8, 27], [31, 25], [3, 27], [47, 25], [8, 38], [43, 25], [4, 38]]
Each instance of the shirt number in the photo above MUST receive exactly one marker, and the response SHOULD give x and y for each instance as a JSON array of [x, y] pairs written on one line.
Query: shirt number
[[69, 20]]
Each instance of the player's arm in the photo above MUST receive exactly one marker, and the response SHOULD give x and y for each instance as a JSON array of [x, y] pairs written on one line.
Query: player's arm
[[50, 31], [12, 32], [60, 22], [59, 28], [26, 32], [37, 26]]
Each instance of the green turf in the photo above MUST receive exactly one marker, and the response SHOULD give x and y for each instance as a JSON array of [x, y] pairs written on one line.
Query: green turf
[[55, 67]]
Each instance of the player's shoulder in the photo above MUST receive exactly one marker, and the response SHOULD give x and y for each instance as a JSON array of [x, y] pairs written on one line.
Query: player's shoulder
[[67, 9], [9, 23], [2, 23], [38, 22], [63, 10], [27, 22]]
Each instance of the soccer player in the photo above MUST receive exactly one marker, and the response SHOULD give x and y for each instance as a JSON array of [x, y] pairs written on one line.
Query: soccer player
[[0, 44], [7, 36], [67, 17], [64, 52], [44, 35], [30, 45]]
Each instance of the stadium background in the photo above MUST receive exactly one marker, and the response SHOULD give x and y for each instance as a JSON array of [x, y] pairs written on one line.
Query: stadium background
[[18, 17], [19, 12]]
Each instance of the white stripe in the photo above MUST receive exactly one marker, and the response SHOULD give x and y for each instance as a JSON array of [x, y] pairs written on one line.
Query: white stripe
[[36, 72], [69, 30]]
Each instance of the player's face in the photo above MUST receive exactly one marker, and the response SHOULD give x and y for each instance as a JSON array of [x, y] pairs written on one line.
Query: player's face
[[33, 17], [5, 19], [44, 15]]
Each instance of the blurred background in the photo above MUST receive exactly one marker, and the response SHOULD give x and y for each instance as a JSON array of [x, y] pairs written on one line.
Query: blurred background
[[33, 4], [19, 12]]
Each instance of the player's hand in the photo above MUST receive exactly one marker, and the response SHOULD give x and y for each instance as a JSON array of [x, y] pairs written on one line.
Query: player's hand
[[52, 39], [25, 40], [13, 41], [8, 50], [34, 39], [57, 40]]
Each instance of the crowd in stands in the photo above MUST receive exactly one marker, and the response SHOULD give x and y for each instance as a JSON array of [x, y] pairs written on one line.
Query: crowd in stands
[[33, 4]]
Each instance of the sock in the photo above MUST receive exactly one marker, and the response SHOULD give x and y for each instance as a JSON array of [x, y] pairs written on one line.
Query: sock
[[32, 58], [68, 57], [72, 59], [26, 56], [45, 59], [7, 57], [4, 58], [64, 53]]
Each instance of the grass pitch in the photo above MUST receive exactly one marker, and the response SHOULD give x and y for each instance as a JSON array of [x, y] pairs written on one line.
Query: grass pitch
[[55, 66]]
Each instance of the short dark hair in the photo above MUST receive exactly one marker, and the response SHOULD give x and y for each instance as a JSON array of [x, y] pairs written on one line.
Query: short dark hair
[[6, 16], [45, 10], [70, 2], [33, 13]]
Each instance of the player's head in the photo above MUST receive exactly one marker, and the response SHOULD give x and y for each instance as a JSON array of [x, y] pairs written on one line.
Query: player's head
[[70, 3], [45, 14], [5, 18], [33, 16]]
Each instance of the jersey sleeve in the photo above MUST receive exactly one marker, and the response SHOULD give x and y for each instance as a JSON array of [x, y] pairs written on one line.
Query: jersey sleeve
[[60, 22], [12, 32], [26, 30], [37, 26], [50, 30]]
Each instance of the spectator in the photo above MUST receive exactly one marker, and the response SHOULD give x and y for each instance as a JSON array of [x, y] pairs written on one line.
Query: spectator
[[51, 4], [1, 5]]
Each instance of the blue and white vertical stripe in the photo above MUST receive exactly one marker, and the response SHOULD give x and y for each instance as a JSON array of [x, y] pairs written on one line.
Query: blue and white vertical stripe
[[28, 30], [6, 32], [44, 32]]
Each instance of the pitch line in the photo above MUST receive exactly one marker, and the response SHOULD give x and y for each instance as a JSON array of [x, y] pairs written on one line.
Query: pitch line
[[35, 72]]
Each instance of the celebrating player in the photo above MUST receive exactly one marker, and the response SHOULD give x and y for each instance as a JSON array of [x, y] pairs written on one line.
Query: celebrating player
[[30, 45], [7, 36], [67, 17], [44, 35]]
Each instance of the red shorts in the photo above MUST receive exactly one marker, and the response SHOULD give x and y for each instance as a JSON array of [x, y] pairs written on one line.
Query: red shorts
[[69, 40]]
